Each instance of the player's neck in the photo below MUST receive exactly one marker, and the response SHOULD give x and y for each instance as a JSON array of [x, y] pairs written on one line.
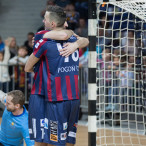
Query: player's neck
[[58, 28], [18, 112]]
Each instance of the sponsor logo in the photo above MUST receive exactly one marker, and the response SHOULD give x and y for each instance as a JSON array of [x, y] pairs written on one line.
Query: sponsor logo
[[64, 126], [44, 123], [41, 40], [63, 136], [54, 131], [38, 43], [72, 134], [68, 69], [30, 131]]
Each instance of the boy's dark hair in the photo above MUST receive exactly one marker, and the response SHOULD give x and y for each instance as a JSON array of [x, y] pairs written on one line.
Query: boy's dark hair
[[31, 33], [57, 14], [18, 97]]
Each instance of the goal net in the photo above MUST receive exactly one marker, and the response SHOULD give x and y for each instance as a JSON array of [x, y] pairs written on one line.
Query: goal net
[[121, 73]]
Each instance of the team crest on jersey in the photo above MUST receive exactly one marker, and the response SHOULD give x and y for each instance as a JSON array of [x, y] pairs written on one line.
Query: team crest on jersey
[[44, 123], [54, 131], [12, 125]]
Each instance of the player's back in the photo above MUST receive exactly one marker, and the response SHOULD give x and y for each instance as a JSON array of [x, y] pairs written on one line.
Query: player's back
[[60, 74]]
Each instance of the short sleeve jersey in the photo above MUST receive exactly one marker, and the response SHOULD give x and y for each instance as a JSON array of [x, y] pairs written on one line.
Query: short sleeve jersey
[[57, 76]]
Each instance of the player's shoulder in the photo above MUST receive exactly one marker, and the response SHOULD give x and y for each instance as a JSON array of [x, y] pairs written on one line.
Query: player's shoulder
[[40, 43], [39, 35]]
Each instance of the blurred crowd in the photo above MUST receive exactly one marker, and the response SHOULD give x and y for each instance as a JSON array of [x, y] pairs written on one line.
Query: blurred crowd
[[120, 51], [121, 58], [14, 57]]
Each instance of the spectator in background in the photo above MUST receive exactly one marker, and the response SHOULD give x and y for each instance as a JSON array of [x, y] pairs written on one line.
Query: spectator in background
[[2, 45], [116, 59], [104, 65], [82, 30], [72, 16], [131, 61], [13, 52], [128, 42], [13, 46], [126, 76], [82, 8], [62, 3], [51, 2], [19, 72], [4, 74], [28, 43], [113, 92], [104, 31]]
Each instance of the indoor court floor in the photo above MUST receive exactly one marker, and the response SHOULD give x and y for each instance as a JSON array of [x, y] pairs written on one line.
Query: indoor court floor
[[82, 135], [113, 138]]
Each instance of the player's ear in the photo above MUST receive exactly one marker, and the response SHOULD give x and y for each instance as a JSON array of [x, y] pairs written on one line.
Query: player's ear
[[17, 106], [65, 24], [53, 24]]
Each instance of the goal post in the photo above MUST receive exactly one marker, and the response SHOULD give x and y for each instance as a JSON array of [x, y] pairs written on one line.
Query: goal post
[[117, 72], [92, 26]]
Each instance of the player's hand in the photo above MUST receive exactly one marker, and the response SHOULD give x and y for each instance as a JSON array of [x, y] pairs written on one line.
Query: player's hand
[[68, 49], [32, 41]]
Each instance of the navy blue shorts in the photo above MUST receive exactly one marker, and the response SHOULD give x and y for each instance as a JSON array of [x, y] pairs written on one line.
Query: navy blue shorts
[[53, 122]]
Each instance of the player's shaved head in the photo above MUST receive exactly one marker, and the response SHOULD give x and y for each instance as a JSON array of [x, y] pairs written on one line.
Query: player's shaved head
[[57, 14]]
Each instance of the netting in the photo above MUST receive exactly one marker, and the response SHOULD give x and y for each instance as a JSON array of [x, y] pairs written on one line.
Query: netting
[[121, 73]]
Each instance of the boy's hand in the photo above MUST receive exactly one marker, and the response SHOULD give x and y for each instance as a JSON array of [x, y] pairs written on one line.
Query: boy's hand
[[7, 43]]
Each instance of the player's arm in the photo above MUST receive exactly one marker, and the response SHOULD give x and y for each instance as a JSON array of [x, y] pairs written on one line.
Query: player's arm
[[32, 60], [38, 51], [69, 48], [25, 133], [58, 34]]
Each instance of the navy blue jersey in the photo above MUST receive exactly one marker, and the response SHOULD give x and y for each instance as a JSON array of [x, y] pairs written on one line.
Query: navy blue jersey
[[36, 89], [58, 76]]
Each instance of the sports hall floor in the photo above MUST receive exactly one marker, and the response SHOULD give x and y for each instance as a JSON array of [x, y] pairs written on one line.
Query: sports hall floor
[[122, 138], [82, 136]]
